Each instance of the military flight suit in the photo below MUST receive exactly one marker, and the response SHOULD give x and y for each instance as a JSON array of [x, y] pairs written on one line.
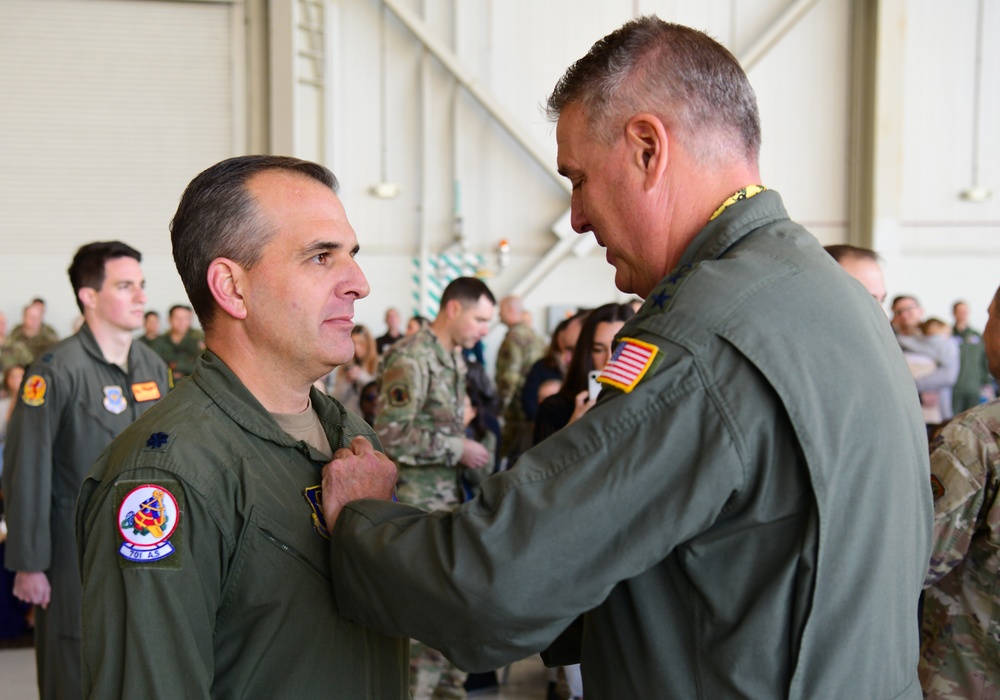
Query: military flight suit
[[180, 357], [973, 370], [72, 404], [747, 515], [960, 653], [236, 601]]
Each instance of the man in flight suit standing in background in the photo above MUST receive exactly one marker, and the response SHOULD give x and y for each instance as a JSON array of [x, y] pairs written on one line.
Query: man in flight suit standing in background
[[74, 400]]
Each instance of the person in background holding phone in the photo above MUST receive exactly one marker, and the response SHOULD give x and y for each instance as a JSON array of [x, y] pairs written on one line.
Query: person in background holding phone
[[574, 398], [593, 350]]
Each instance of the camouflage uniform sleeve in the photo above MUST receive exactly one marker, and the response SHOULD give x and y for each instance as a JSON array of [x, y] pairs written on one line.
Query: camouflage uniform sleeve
[[960, 460], [407, 422], [509, 359]]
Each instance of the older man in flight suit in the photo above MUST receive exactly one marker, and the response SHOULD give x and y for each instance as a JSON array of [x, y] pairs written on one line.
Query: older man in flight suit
[[729, 520]]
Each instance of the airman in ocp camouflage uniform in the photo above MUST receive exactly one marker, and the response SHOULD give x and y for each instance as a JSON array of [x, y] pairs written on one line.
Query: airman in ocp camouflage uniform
[[960, 650], [419, 419], [520, 349]]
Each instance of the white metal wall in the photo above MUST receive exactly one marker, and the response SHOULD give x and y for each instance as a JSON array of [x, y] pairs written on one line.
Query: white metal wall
[[108, 108]]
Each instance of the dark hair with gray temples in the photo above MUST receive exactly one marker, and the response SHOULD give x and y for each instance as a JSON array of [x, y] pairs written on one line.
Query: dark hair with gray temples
[[87, 268], [219, 218], [683, 76]]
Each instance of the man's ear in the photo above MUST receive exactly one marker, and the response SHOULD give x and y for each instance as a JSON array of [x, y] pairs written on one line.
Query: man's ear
[[225, 280], [453, 308], [646, 136], [87, 297]]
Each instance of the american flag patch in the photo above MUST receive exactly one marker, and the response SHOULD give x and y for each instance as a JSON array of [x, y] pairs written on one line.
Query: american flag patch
[[628, 364]]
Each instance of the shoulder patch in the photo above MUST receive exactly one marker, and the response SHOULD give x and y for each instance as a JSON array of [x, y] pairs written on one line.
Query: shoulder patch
[[399, 394], [33, 393], [629, 363], [937, 488], [148, 522]]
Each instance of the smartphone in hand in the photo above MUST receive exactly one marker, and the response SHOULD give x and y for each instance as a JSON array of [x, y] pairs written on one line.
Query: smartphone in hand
[[593, 386]]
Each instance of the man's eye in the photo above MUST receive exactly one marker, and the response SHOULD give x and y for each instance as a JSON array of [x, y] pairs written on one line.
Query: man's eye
[[321, 258]]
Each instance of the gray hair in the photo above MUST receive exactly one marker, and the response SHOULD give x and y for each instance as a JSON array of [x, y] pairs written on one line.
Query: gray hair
[[686, 78]]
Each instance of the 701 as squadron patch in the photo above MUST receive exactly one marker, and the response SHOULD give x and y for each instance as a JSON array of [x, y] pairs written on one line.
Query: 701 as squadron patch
[[147, 518]]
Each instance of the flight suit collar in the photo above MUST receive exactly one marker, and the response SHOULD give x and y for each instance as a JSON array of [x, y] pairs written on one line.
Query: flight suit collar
[[89, 344], [735, 222], [219, 382]]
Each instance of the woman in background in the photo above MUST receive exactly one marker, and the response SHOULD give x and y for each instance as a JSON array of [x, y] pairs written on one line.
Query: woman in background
[[592, 352], [347, 381]]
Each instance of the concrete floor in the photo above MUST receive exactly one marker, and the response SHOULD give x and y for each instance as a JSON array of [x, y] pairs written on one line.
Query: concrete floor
[[527, 679]]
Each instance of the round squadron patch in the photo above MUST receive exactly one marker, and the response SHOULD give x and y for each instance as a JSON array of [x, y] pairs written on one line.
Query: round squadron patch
[[33, 393], [399, 394], [147, 518]]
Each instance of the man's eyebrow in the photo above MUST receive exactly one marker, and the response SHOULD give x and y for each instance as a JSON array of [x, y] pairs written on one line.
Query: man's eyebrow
[[324, 246]]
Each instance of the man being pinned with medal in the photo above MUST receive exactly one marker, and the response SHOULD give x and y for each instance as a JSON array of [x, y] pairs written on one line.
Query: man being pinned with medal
[[204, 554], [74, 400]]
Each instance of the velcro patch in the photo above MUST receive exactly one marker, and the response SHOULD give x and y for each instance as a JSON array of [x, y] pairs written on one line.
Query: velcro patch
[[148, 523], [33, 393], [114, 400], [628, 364], [145, 391], [399, 394], [937, 488]]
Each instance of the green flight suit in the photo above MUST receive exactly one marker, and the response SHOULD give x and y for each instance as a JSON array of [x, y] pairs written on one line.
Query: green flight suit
[[180, 357], [751, 520], [973, 370], [243, 606], [72, 404]]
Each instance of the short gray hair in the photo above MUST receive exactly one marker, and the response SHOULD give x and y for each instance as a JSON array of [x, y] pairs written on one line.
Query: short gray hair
[[680, 74]]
